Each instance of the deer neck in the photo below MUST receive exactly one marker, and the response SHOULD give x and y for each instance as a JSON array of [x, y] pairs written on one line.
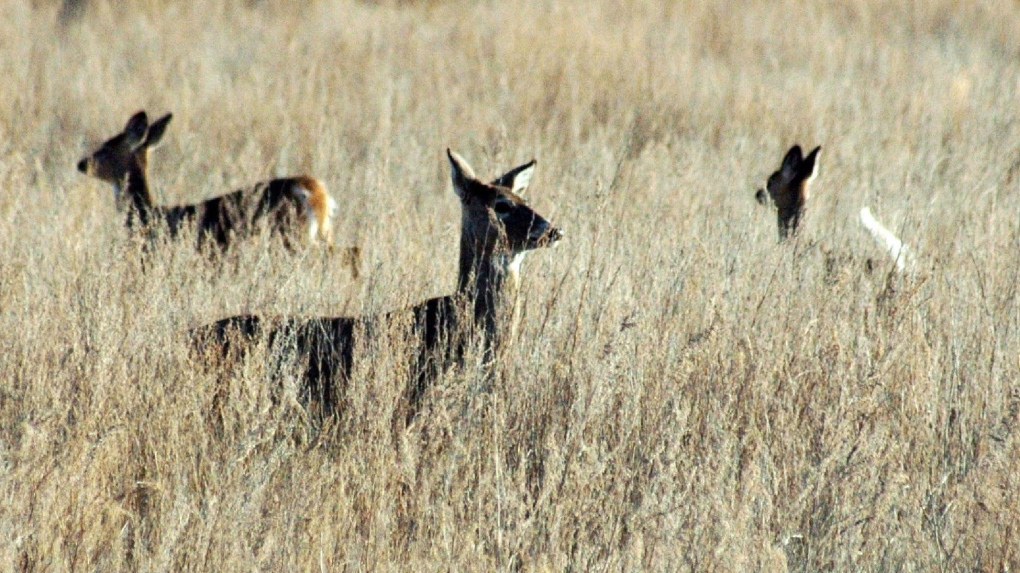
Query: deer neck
[[489, 281], [133, 197]]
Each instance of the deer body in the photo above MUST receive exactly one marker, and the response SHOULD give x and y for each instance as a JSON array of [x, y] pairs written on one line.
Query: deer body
[[497, 229], [291, 207], [325, 345]]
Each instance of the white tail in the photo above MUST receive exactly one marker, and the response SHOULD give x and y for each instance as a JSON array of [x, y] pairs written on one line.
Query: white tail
[[290, 208], [893, 246]]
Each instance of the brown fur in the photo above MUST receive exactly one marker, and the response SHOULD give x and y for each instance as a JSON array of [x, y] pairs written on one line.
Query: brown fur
[[279, 206], [788, 189], [319, 202], [497, 229]]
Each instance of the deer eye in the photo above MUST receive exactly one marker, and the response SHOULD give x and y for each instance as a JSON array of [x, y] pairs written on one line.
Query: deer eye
[[502, 208]]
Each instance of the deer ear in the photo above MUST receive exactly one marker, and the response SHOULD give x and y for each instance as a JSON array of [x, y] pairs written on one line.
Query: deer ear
[[460, 173], [518, 178], [156, 130], [136, 128], [809, 167], [792, 159]]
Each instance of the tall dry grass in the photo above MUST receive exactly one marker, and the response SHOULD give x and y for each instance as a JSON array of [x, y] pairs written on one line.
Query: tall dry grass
[[683, 393]]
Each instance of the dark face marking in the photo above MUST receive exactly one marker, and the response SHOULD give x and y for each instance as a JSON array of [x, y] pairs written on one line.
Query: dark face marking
[[125, 151], [497, 216]]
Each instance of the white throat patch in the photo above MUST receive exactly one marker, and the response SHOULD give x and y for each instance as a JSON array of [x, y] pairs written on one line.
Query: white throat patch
[[508, 264], [118, 192]]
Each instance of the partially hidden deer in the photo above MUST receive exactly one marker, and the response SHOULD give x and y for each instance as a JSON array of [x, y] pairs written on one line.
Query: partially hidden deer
[[497, 229], [297, 209], [788, 189]]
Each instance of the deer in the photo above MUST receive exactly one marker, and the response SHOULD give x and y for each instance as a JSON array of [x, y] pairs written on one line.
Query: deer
[[788, 189], [288, 207], [497, 230]]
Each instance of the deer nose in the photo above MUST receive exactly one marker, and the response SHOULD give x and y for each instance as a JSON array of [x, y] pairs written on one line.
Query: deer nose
[[83, 165], [545, 234], [539, 228]]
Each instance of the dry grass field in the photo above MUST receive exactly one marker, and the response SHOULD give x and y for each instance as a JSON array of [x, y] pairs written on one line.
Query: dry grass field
[[683, 393]]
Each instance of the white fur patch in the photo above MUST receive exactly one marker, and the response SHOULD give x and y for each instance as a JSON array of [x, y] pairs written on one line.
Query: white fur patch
[[313, 223], [812, 177], [513, 266], [522, 180], [117, 192], [332, 206], [893, 246], [509, 264], [313, 228], [310, 219]]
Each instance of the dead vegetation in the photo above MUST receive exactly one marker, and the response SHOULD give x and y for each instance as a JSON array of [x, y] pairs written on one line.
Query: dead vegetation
[[683, 394]]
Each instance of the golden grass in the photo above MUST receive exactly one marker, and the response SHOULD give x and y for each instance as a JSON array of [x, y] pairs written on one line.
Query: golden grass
[[684, 394]]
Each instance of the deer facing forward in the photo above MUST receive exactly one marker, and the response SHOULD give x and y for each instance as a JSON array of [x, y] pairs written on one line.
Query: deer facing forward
[[497, 230], [297, 209]]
